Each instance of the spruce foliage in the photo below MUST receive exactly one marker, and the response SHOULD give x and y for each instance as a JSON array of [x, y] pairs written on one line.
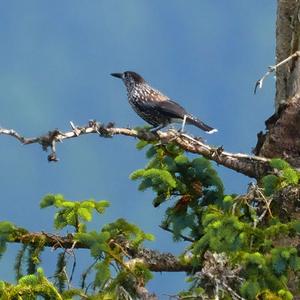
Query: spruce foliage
[[233, 241]]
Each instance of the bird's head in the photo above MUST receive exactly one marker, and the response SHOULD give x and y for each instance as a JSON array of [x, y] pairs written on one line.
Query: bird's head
[[129, 78]]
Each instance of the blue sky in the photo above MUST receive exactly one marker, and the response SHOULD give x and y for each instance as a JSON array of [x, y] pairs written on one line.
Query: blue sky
[[55, 61]]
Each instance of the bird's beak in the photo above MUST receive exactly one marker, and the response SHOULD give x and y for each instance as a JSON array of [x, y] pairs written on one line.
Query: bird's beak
[[118, 75]]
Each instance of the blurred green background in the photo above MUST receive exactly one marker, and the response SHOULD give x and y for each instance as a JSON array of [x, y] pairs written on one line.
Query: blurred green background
[[55, 61]]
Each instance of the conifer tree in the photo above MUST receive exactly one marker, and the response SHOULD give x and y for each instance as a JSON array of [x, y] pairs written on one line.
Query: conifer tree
[[239, 246]]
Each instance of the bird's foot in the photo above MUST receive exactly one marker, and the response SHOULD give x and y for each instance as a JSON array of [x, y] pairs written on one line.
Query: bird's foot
[[157, 128], [154, 130], [180, 130]]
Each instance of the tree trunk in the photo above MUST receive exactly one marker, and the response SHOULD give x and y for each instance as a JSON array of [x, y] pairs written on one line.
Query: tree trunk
[[282, 138]]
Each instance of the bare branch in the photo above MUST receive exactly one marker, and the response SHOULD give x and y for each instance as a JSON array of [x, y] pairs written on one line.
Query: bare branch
[[252, 166], [271, 69]]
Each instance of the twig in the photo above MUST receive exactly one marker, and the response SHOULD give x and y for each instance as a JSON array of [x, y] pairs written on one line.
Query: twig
[[271, 69], [71, 252], [184, 297], [268, 203], [85, 274], [185, 238], [252, 166], [67, 277], [219, 272], [120, 247]]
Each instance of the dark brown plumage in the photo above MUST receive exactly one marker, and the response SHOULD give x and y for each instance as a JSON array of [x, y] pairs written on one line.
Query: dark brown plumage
[[154, 107]]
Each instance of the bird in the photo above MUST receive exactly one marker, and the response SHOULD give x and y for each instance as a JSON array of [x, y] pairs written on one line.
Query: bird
[[154, 107]]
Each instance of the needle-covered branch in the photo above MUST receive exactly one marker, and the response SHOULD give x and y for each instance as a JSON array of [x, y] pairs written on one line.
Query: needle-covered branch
[[154, 260], [252, 166]]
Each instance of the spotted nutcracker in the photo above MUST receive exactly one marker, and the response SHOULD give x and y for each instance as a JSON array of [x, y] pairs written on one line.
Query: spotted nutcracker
[[154, 107]]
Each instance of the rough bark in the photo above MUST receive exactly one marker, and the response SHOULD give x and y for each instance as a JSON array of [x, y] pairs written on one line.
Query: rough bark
[[287, 42], [282, 138]]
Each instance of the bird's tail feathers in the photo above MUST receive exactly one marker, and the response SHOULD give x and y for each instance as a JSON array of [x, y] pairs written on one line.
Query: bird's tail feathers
[[194, 121]]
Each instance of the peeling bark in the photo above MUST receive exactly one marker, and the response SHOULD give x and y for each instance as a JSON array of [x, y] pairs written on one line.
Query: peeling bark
[[282, 138]]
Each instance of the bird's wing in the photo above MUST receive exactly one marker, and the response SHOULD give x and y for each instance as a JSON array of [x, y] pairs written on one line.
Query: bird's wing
[[171, 109], [175, 111]]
